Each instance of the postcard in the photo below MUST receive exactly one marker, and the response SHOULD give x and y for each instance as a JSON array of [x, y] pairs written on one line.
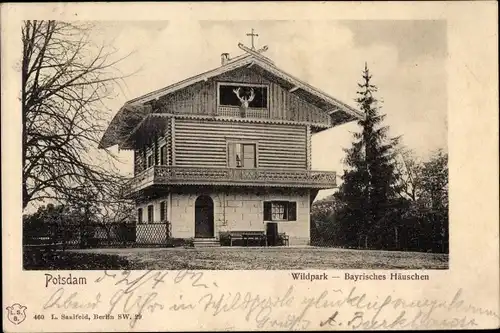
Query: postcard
[[249, 166]]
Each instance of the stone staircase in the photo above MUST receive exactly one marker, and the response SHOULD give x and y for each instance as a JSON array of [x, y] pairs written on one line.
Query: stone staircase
[[206, 242]]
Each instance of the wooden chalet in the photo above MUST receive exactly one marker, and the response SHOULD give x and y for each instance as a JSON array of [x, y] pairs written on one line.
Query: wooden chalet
[[227, 152]]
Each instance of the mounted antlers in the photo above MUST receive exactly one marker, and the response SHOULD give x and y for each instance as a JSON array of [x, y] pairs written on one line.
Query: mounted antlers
[[245, 101]]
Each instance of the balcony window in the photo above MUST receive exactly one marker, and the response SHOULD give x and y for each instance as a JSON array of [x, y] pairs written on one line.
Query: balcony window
[[242, 155], [276, 211], [149, 157], [163, 155]]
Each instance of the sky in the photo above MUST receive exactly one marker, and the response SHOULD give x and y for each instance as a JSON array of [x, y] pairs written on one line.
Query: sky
[[406, 58]]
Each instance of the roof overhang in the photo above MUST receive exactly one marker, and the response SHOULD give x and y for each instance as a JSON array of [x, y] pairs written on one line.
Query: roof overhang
[[124, 123]]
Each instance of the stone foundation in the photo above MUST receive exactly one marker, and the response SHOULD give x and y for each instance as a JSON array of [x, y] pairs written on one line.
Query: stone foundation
[[235, 210]]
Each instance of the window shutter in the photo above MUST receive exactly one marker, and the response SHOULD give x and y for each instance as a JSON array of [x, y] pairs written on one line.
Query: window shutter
[[231, 155], [292, 211], [267, 211], [162, 210], [139, 215], [249, 156], [150, 214], [137, 161], [155, 151], [163, 155]]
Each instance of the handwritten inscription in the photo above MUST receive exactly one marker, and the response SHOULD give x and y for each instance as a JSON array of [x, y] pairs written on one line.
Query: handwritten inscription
[[71, 301], [137, 295], [248, 302], [361, 311], [330, 321]]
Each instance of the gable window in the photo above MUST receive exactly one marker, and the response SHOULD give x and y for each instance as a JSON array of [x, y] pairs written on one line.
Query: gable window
[[150, 214], [280, 211], [139, 215], [236, 95], [242, 155]]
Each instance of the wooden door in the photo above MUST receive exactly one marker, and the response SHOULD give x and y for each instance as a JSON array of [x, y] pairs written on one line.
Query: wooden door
[[272, 234], [204, 217]]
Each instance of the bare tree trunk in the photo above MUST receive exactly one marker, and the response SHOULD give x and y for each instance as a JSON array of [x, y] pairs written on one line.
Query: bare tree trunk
[[64, 82]]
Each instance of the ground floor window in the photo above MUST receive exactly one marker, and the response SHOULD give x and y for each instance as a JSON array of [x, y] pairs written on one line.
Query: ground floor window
[[280, 211], [163, 211], [150, 214], [139, 215]]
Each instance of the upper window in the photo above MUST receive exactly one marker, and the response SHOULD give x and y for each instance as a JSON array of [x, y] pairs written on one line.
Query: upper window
[[242, 155], [248, 95], [149, 157], [280, 211], [163, 155]]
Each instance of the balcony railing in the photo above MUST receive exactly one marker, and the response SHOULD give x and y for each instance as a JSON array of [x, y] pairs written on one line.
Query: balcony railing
[[232, 111], [173, 175]]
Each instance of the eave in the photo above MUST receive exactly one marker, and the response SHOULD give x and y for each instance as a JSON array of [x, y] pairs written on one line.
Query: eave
[[128, 141], [123, 123]]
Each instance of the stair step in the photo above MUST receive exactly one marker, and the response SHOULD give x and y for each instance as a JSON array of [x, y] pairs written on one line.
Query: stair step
[[206, 242]]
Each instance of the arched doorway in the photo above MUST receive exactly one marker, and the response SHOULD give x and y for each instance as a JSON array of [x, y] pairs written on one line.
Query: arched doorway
[[204, 217]]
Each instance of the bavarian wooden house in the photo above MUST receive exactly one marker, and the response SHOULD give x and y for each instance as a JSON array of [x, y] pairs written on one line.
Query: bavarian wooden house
[[227, 153]]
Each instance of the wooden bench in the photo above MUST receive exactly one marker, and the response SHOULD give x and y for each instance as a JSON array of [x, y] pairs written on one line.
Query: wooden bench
[[246, 236]]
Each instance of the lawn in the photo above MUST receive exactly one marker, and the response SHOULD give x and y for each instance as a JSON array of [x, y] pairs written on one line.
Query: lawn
[[257, 258]]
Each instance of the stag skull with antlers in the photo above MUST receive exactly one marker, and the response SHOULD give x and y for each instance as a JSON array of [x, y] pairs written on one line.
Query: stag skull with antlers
[[245, 101]]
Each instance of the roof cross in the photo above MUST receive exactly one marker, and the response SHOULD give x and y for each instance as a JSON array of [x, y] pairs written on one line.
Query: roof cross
[[252, 35]]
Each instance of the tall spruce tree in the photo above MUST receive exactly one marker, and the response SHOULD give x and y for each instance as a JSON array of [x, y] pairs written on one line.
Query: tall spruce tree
[[367, 194]]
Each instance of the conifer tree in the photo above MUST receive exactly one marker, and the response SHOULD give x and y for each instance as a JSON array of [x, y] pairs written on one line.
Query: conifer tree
[[367, 193]]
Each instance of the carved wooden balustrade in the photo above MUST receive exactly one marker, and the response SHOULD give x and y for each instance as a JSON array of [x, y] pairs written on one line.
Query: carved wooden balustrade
[[171, 175], [230, 111]]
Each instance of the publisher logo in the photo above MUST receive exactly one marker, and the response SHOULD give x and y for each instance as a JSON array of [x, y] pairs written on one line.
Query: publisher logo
[[16, 313]]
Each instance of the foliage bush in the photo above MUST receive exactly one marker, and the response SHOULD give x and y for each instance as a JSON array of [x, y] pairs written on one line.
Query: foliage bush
[[73, 261]]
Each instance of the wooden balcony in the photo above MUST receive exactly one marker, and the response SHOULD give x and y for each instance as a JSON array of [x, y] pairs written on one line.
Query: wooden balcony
[[170, 175], [228, 111]]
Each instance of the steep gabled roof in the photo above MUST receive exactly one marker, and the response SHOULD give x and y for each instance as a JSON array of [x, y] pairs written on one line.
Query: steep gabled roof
[[340, 112]]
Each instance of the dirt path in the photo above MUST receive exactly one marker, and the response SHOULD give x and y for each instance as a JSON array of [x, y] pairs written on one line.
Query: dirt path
[[248, 258]]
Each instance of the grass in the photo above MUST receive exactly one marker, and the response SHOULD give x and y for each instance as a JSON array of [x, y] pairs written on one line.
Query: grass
[[255, 258]]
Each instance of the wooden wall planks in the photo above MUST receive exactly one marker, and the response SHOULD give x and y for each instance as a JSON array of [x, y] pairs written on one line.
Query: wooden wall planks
[[204, 143]]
